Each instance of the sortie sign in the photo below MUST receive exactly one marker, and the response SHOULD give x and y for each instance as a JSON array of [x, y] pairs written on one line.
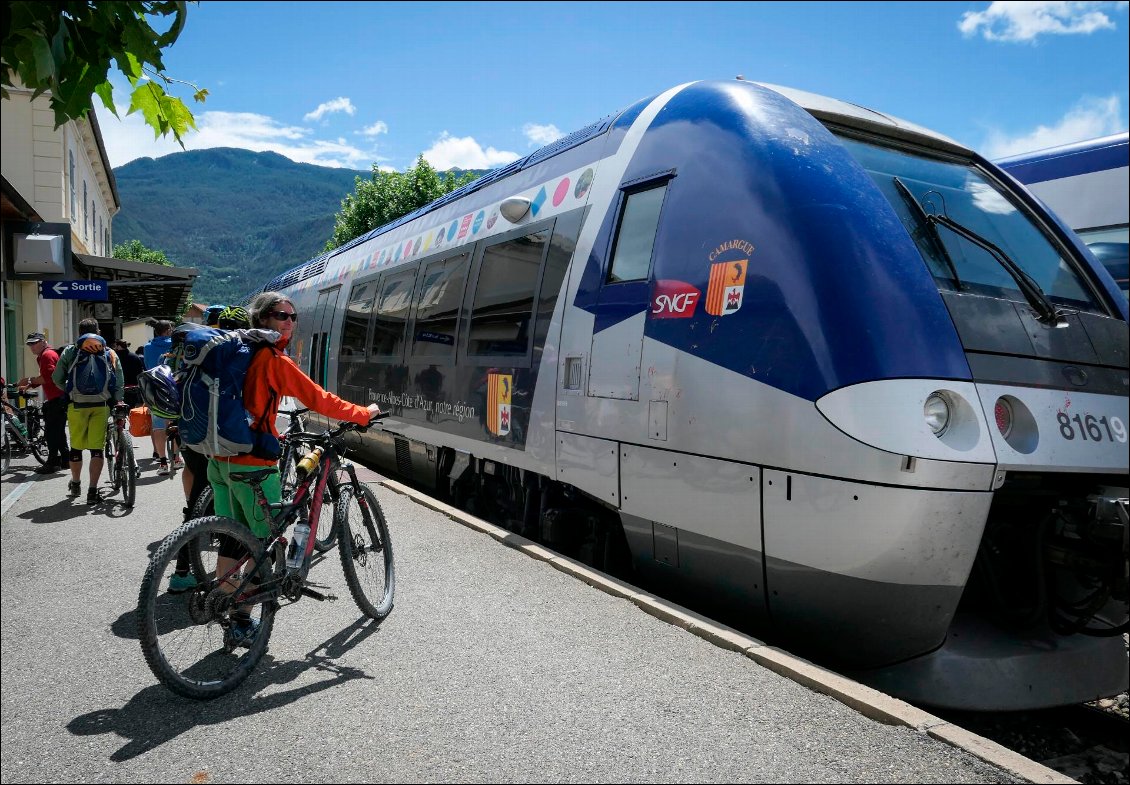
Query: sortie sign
[[75, 290]]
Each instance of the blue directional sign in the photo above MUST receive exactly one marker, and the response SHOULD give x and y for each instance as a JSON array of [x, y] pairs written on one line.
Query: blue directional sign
[[75, 290]]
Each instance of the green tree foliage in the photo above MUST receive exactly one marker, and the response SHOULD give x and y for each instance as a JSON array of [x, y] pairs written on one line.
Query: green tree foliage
[[66, 48], [136, 252], [386, 196]]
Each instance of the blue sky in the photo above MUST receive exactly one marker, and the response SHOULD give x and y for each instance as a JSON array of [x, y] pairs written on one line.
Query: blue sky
[[476, 85]]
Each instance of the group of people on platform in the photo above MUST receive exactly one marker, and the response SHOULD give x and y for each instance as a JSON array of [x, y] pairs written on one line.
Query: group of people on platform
[[271, 376]]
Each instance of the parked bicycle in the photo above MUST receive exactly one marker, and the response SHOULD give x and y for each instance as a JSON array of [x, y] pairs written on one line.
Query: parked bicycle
[[22, 432], [188, 639], [119, 457]]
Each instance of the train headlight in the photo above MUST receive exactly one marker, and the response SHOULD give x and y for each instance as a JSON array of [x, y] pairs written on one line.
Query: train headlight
[[936, 410], [1003, 413]]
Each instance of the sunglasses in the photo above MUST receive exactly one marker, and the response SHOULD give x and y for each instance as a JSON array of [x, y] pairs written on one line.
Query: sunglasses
[[282, 316]]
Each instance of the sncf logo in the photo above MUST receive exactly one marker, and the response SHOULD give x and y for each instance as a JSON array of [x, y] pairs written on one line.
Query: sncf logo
[[674, 300]]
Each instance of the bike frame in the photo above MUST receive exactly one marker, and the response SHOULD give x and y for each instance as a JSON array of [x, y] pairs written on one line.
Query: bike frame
[[316, 482]]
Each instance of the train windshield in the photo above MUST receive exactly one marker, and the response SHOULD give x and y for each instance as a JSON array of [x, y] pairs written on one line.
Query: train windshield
[[963, 194]]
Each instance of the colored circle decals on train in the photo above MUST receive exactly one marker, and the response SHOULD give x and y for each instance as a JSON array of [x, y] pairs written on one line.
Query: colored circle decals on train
[[583, 184], [478, 224], [561, 192]]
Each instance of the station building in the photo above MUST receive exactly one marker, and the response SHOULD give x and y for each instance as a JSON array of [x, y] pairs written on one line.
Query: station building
[[58, 199]]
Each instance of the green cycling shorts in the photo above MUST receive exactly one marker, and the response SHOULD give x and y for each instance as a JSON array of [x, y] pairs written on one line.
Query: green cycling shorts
[[237, 499]]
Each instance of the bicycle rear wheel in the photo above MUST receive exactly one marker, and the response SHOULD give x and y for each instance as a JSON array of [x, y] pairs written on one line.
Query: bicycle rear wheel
[[366, 552], [205, 503], [109, 455], [172, 451], [187, 638], [127, 469]]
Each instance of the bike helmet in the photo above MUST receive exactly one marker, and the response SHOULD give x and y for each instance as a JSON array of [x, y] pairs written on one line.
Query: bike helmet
[[234, 318], [160, 393], [212, 315]]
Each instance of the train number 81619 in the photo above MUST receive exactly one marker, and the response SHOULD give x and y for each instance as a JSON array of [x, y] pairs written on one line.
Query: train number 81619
[[1091, 428]]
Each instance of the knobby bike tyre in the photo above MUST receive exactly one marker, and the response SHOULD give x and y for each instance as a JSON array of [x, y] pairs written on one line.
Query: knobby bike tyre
[[366, 552], [5, 448], [172, 451], [205, 503], [185, 637], [325, 533], [127, 466], [288, 469], [37, 446], [109, 454]]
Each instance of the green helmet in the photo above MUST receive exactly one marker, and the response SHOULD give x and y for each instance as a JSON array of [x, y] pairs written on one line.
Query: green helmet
[[234, 318]]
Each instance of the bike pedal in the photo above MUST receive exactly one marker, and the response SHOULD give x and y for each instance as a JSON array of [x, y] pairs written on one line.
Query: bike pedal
[[308, 592]]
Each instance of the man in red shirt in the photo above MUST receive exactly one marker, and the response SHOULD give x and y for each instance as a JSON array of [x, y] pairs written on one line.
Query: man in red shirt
[[54, 404]]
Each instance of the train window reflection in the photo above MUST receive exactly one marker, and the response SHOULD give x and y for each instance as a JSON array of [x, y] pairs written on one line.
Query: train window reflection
[[391, 314], [963, 193], [504, 296], [631, 257], [437, 309], [357, 315]]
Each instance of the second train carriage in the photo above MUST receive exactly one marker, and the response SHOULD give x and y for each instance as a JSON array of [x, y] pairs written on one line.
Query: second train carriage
[[825, 368]]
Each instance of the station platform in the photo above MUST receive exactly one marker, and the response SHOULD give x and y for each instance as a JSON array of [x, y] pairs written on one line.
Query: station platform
[[501, 662]]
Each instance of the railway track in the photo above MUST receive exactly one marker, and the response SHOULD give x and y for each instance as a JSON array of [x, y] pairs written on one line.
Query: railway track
[[1087, 743]]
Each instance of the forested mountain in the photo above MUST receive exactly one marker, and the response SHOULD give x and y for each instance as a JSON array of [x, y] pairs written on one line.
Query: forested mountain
[[240, 217]]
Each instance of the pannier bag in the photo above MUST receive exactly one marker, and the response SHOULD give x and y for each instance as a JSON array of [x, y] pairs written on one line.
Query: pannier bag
[[140, 423]]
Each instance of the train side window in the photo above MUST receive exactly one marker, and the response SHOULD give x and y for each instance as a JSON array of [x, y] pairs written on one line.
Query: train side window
[[437, 309], [356, 328], [639, 220], [391, 314], [502, 313]]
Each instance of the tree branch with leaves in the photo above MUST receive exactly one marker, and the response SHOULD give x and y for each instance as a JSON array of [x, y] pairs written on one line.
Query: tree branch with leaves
[[386, 196], [66, 49]]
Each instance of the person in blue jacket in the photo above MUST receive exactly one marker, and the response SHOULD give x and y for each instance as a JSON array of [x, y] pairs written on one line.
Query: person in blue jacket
[[155, 352]]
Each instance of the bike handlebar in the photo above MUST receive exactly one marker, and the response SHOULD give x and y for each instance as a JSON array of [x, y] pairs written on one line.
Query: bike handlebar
[[340, 430]]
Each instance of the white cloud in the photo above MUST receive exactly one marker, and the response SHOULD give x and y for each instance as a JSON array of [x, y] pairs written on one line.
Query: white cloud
[[1025, 21], [131, 138], [329, 107], [1090, 118], [464, 153], [379, 127], [541, 134]]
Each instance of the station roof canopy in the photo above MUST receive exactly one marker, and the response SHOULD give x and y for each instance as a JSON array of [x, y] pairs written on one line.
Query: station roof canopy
[[138, 289]]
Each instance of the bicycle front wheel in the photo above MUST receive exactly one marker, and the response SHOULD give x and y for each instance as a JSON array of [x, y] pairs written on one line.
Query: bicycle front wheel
[[126, 469], [37, 446], [188, 639], [366, 551]]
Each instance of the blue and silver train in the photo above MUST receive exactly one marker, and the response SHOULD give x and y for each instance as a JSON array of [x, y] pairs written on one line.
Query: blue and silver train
[[830, 372]]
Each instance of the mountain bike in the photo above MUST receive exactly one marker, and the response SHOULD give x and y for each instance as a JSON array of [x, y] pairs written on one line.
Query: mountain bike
[[22, 432], [190, 640], [118, 453]]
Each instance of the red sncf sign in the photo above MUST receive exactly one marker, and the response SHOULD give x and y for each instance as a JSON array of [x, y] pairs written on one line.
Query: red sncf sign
[[673, 300]]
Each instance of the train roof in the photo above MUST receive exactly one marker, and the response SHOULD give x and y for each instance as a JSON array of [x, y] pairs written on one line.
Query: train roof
[[837, 112], [823, 108], [1066, 160]]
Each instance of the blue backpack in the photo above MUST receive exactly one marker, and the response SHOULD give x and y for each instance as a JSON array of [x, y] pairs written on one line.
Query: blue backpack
[[93, 377], [213, 420]]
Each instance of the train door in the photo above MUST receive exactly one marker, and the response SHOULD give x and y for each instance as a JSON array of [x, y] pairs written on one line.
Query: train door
[[624, 296], [320, 335]]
